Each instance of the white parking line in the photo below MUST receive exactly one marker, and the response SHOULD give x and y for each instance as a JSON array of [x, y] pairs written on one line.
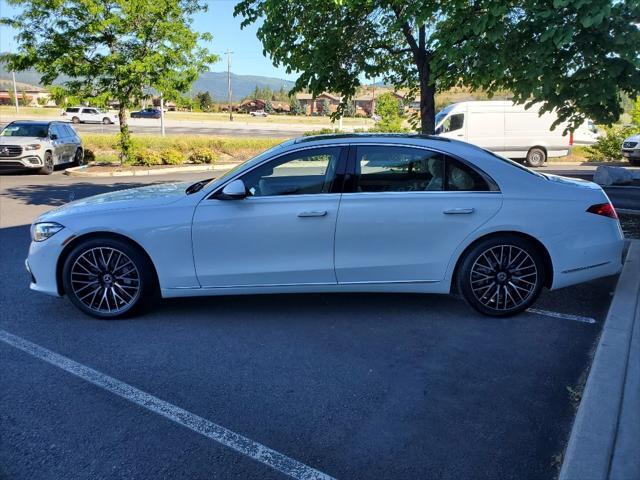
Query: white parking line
[[565, 316], [200, 425]]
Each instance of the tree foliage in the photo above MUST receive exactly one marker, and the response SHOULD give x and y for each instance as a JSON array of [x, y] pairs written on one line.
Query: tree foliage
[[575, 56], [204, 101], [121, 48], [635, 113], [295, 107], [388, 107]]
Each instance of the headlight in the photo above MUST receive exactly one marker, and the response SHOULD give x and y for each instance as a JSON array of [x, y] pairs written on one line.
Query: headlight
[[33, 146], [44, 230]]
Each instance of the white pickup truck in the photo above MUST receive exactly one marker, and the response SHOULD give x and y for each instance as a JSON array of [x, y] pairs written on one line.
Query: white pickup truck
[[89, 115]]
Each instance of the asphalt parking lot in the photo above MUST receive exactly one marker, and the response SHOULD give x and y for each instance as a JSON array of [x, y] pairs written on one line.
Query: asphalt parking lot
[[355, 386]]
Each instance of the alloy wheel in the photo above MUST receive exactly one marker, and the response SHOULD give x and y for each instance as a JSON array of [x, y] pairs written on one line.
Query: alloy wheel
[[504, 277], [105, 280]]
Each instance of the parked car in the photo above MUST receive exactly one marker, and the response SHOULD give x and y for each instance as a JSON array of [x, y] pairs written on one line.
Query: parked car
[[258, 113], [89, 115], [39, 146], [336, 213], [631, 149], [512, 130], [149, 112]]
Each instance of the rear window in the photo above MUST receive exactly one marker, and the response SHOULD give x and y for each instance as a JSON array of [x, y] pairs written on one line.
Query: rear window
[[73, 110], [25, 130]]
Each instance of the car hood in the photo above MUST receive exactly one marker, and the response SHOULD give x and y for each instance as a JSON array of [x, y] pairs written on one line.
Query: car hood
[[633, 138], [20, 140], [142, 197]]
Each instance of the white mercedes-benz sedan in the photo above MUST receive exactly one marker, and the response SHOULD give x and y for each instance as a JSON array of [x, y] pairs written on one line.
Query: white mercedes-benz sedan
[[338, 213]]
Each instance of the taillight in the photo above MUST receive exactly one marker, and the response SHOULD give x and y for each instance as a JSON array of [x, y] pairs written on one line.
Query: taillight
[[605, 209]]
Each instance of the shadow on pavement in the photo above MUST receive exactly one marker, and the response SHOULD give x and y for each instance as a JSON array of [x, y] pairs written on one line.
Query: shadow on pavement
[[58, 194]]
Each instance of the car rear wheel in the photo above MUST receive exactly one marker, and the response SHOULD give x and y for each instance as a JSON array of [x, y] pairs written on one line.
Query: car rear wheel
[[536, 157], [501, 276], [75, 120], [108, 278], [78, 158], [106, 121], [48, 167]]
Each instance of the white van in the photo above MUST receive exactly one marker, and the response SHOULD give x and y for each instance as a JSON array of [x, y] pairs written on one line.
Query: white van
[[511, 130]]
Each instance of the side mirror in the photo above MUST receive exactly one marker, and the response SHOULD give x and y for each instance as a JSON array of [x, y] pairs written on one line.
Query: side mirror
[[53, 136], [235, 190]]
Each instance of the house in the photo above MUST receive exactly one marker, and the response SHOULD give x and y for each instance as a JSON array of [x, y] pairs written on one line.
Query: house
[[33, 98], [252, 105], [313, 106]]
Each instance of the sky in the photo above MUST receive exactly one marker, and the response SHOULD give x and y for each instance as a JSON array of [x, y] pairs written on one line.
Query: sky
[[247, 57]]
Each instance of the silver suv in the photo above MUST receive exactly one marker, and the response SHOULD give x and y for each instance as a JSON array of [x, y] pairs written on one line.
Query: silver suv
[[39, 145], [631, 149]]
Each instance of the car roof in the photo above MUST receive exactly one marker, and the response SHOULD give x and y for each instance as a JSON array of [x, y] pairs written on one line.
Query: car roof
[[368, 137], [40, 123]]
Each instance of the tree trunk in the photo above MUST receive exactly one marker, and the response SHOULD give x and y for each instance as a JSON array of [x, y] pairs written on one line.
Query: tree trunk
[[427, 101], [124, 142]]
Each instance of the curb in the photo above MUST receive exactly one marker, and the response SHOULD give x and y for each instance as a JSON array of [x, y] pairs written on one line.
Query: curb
[[605, 437], [79, 171]]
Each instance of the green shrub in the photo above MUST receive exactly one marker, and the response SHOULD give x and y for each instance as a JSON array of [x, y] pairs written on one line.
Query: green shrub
[[607, 148], [172, 157], [202, 155], [322, 131], [147, 157]]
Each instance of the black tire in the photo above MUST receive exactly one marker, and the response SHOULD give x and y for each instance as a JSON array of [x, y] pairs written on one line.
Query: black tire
[[536, 157], [75, 120], [515, 290], [48, 167], [116, 289], [634, 161], [106, 121], [78, 158]]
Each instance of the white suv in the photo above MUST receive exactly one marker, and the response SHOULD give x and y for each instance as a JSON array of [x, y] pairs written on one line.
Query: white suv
[[39, 146], [89, 115], [631, 149]]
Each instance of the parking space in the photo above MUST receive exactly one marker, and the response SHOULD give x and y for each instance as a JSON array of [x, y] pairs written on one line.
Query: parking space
[[351, 385]]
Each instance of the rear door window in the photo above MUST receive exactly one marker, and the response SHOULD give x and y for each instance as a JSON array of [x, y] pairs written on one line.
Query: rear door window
[[406, 169]]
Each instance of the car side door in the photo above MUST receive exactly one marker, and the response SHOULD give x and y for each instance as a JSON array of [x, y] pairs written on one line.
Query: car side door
[[58, 143], [405, 212], [281, 233]]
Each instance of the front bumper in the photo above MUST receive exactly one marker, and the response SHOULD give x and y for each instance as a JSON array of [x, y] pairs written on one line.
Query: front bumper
[[33, 160], [42, 262], [629, 153]]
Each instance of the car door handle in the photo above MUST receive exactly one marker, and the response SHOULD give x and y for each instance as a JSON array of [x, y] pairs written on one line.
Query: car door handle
[[459, 211], [313, 213]]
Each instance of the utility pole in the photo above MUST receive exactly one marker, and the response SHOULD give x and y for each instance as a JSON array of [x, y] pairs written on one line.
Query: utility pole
[[162, 114], [229, 52], [15, 91]]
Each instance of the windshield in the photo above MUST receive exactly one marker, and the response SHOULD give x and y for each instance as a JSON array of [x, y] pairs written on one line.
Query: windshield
[[25, 130]]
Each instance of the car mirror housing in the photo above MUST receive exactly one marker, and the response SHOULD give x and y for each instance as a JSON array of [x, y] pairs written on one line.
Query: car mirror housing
[[235, 190], [53, 136]]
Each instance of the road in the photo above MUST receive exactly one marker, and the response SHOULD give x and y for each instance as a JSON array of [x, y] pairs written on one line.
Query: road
[[357, 386]]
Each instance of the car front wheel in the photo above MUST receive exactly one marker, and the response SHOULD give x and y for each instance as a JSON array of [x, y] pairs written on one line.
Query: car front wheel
[[536, 157], [501, 276], [48, 167], [106, 121], [108, 278]]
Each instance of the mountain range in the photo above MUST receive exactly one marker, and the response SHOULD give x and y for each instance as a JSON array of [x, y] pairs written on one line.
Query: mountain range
[[213, 82]]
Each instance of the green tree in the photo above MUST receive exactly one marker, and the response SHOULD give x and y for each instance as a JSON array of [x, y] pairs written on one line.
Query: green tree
[[204, 101], [121, 48], [268, 107], [325, 108], [388, 107], [573, 55], [350, 109], [295, 107], [635, 113]]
